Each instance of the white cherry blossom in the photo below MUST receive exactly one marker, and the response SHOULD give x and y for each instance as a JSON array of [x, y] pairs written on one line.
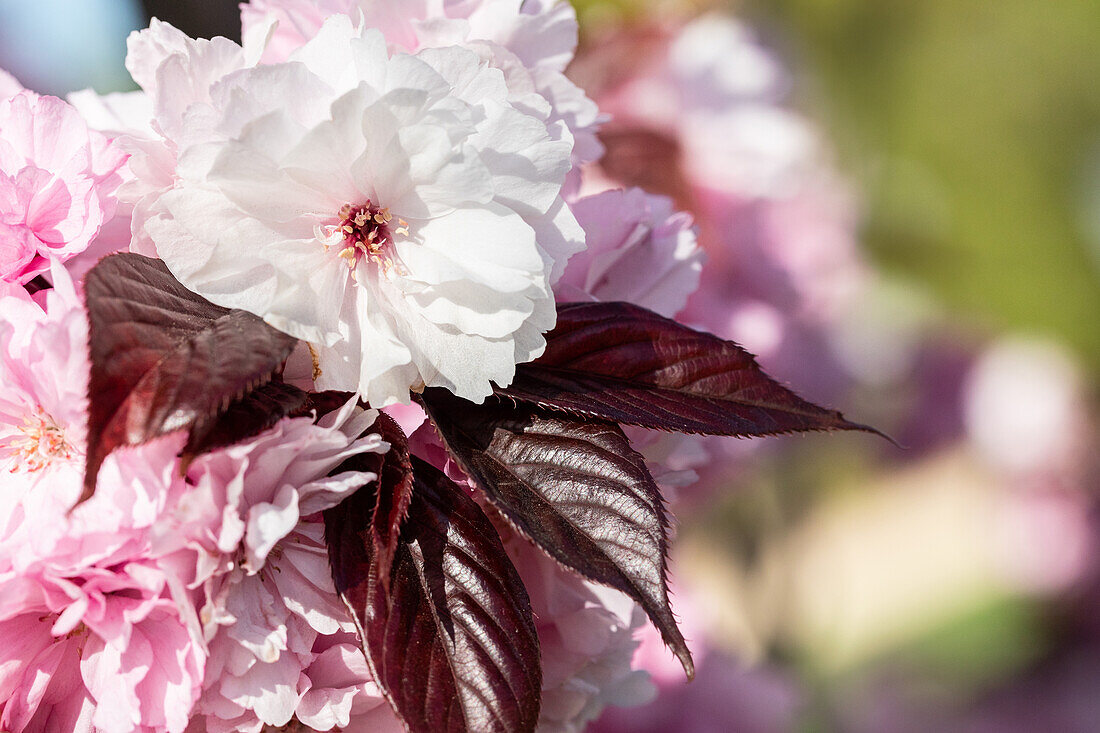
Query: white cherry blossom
[[401, 213]]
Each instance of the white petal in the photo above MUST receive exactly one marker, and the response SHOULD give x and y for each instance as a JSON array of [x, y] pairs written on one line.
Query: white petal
[[329, 54], [147, 49], [559, 237], [245, 96], [322, 159], [489, 245], [528, 167], [369, 358], [294, 285], [262, 190]]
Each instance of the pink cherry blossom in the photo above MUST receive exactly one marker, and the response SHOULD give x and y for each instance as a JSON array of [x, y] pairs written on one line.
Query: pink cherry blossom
[[44, 370], [246, 538], [57, 184], [82, 594], [637, 250], [586, 634], [104, 644]]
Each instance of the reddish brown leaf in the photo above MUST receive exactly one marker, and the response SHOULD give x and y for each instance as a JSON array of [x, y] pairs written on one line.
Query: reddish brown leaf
[[322, 403], [452, 641], [164, 359], [395, 487], [392, 491], [575, 487], [351, 549], [623, 363], [255, 412]]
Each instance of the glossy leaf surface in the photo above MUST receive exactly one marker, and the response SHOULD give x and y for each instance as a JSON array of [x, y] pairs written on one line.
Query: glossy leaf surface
[[451, 640], [164, 359], [626, 364], [575, 487]]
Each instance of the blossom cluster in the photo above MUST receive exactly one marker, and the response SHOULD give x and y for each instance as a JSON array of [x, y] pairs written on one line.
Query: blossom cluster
[[404, 196], [395, 186]]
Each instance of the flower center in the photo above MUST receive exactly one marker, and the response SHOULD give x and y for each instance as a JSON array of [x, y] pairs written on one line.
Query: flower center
[[41, 442], [365, 232]]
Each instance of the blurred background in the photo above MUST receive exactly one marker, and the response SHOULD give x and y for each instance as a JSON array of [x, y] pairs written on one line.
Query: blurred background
[[901, 206]]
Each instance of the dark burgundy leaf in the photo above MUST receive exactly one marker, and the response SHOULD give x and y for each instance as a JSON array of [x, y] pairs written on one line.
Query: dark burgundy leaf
[[323, 403], [572, 485], [164, 359], [257, 411], [395, 482], [362, 531], [623, 363], [453, 641], [392, 491], [348, 536]]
